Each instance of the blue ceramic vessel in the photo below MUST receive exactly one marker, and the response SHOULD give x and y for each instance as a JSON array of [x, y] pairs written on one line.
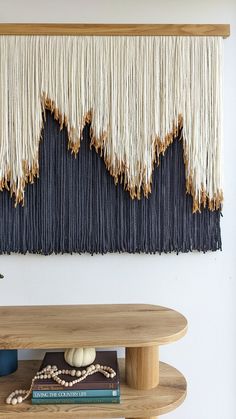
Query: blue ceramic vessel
[[8, 361]]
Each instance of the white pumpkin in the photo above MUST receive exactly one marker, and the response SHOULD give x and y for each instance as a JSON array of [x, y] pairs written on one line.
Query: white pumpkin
[[80, 357]]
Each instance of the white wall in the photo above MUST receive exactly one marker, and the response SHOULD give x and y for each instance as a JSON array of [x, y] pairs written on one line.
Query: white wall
[[203, 287]]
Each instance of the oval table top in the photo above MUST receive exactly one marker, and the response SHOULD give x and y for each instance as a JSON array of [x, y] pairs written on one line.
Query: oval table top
[[70, 326]]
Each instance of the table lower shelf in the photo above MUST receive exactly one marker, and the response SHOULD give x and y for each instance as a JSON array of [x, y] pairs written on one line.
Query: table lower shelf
[[164, 398]]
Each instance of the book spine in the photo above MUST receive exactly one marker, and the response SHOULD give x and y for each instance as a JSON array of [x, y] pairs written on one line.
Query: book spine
[[80, 386], [74, 393], [75, 400]]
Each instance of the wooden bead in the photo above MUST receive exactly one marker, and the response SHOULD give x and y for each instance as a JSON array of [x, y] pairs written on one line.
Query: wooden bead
[[14, 401]]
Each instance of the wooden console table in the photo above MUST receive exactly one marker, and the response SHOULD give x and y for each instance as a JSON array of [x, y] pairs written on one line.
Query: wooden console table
[[148, 388]]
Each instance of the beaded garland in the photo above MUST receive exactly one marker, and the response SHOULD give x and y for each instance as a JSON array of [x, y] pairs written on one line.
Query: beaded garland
[[18, 396]]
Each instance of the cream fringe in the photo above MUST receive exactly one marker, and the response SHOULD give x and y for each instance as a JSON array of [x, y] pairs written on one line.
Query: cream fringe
[[136, 91]]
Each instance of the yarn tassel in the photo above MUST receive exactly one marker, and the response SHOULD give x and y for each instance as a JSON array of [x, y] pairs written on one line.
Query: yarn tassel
[[137, 92]]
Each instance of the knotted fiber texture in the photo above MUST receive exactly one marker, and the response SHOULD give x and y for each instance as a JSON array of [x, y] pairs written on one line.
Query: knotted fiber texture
[[137, 93], [75, 207]]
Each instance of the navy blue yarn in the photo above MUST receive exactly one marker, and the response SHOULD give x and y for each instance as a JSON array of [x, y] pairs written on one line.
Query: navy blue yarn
[[75, 206]]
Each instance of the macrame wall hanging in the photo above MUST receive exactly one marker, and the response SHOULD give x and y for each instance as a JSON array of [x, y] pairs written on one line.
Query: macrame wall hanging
[[119, 135]]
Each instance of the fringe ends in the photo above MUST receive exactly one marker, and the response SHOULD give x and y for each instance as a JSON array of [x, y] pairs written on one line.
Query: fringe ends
[[202, 200], [17, 188], [119, 170]]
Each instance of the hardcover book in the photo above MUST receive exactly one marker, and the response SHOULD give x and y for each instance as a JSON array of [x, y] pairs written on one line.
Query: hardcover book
[[50, 394], [92, 382], [76, 400]]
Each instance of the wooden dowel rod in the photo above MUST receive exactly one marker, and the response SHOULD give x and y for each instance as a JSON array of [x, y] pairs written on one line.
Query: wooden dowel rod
[[115, 29]]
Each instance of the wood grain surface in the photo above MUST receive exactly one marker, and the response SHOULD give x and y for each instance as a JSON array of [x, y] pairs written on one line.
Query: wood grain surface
[[115, 325], [115, 29], [134, 403]]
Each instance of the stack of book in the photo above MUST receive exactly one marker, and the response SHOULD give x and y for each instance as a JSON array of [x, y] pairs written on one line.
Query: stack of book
[[94, 389]]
